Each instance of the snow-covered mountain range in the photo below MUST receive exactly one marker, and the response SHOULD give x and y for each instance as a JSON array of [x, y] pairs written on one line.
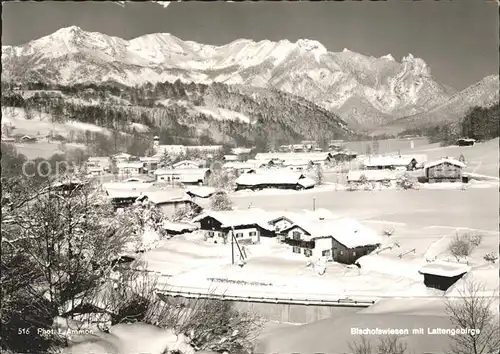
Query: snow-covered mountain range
[[364, 91]]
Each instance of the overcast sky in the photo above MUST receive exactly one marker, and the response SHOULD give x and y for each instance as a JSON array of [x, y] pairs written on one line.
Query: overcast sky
[[457, 38]]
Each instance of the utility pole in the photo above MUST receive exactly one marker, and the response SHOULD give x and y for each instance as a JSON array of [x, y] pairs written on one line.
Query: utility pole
[[314, 204], [232, 247]]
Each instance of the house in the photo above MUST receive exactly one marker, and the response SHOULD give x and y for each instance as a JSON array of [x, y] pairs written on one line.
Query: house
[[247, 225], [122, 198], [240, 167], [151, 163], [95, 171], [241, 151], [170, 200], [186, 176], [298, 165], [138, 179], [343, 156], [130, 168], [178, 228], [274, 179], [340, 240], [230, 158], [466, 142], [187, 164], [122, 157], [335, 144], [102, 162], [442, 275], [395, 162], [66, 186], [444, 170], [8, 140], [201, 192], [27, 139], [284, 220], [381, 176], [315, 157]]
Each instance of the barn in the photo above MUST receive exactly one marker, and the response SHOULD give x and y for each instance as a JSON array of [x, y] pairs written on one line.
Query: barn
[[339, 240], [274, 179], [248, 224], [444, 170], [466, 142], [442, 275]]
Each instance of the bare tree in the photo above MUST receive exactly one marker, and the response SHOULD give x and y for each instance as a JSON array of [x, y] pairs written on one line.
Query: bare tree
[[220, 201], [474, 310], [463, 245], [362, 346], [386, 345], [318, 174]]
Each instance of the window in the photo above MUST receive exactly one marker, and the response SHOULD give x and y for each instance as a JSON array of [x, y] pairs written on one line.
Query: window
[[296, 235], [341, 253], [239, 234], [307, 252], [353, 253], [253, 233], [326, 253], [211, 233], [296, 249]]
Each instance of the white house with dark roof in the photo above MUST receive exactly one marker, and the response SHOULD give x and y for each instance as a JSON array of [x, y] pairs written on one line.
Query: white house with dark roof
[[248, 224], [339, 239]]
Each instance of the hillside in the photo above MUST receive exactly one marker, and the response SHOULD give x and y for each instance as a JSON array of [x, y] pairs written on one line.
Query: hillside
[[485, 93], [179, 113], [340, 82]]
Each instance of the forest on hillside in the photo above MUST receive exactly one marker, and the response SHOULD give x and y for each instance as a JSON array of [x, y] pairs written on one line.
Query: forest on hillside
[[177, 112], [480, 123]]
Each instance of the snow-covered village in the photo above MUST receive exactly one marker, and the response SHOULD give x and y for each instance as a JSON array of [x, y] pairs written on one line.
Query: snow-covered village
[[246, 196]]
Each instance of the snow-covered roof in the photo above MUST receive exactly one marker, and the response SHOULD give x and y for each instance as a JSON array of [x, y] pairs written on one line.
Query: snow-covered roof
[[178, 226], [393, 160], [187, 162], [200, 172], [239, 165], [270, 177], [150, 158], [124, 193], [165, 195], [348, 232], [444, 160], [130, 165], [287, 156], [305, 216], [139, 179], [202, 192], [235, 218], [241, 150], [296, 162], [371, 175], [307, 182], [444, 269], [230, 157]]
